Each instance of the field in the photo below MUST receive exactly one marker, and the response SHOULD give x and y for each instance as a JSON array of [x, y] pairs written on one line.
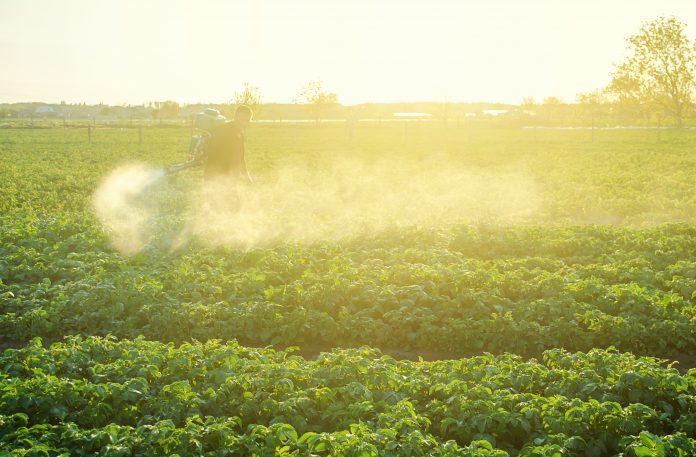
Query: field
[[397, 289]]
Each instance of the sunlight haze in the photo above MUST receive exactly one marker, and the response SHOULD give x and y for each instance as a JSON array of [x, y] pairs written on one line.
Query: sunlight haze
[[364, 51]]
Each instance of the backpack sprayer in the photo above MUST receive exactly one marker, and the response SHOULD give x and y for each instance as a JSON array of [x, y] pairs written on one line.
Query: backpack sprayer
[[204, 122]]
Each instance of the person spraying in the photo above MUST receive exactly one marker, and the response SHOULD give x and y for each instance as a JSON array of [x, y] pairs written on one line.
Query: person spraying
[[225, 166], [219, 148], [225, 149]]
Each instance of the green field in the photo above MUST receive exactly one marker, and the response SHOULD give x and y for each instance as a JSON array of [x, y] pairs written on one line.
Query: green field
[[401, 289]]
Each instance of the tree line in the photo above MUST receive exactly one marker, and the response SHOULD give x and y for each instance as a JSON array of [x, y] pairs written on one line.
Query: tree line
[[656, 83]]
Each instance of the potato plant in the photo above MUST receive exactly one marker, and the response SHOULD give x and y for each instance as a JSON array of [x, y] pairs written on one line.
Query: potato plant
[[136, 397], [541, 330]]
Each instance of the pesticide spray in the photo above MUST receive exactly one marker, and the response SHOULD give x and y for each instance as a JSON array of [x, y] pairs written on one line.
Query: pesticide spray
[[118, 204], [344, 198], [338, 201], [330, 199]]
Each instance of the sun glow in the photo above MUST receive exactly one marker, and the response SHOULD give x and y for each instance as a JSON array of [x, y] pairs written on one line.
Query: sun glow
[[133, 52]]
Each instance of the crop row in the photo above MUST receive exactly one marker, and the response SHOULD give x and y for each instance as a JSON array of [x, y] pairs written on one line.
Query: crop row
[[134, 395], [626, 178], [457, 291]]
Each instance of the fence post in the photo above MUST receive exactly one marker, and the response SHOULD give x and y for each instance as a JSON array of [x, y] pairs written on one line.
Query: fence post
[[351, 129], [659, 124], [593, 124]]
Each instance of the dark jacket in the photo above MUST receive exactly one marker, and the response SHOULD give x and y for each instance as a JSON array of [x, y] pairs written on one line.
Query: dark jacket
[[225, 151]]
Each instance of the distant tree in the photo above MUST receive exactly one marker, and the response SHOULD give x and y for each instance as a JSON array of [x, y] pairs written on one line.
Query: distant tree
[[528, 105], [596, 97], [551, 107], [166, 109], [315, 95], [658, 76], [552, 101], [591, 104], [250, 96]]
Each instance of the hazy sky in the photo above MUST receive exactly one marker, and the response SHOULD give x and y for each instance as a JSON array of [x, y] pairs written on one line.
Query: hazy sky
[[203, 51]]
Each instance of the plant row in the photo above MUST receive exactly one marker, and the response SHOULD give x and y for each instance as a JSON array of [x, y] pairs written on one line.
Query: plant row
[[458, 291], [151, 397]]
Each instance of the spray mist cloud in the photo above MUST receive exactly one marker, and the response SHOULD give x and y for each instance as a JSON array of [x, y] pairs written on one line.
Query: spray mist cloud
[[117, 204], [331, 201]]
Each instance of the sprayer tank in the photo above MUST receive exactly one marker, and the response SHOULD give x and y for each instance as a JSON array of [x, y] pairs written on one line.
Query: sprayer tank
[[208, 119]]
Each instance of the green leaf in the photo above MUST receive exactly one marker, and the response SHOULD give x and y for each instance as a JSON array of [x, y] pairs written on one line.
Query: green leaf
[[643, 451], [648, 439]]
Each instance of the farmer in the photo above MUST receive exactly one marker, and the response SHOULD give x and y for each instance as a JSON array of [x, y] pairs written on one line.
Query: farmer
[[226, 167]]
